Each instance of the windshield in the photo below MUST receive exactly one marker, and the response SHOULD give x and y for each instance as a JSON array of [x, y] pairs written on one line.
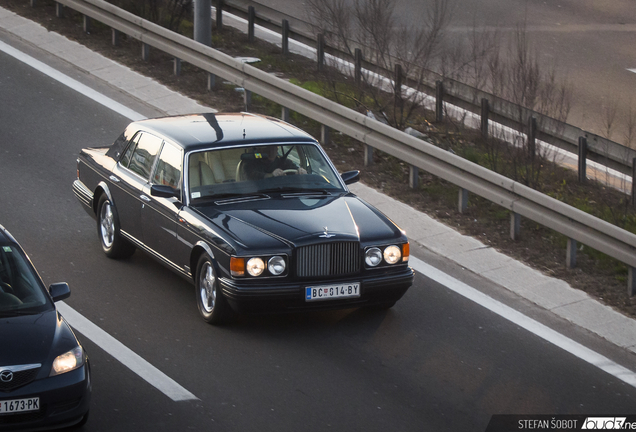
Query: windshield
[[20, 289], [257, 170]]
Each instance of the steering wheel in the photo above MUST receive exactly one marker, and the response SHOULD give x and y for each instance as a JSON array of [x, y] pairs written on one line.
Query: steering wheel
[[290, 171], [5, 287]]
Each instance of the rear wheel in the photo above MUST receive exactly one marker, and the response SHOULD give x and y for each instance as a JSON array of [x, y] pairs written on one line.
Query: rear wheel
[[213, 307], [113, 244]]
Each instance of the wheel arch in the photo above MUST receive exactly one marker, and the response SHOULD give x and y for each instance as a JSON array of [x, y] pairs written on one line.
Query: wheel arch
[[101, 189], [197, 251]]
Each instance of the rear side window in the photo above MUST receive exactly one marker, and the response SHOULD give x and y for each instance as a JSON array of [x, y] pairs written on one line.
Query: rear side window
[[143, 155]]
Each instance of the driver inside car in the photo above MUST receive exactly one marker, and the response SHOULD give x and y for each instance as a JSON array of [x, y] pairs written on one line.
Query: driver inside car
[[267, 163]]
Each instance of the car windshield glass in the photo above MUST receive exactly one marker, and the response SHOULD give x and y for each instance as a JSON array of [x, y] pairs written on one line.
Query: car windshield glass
[[20, 289], [257, 170]]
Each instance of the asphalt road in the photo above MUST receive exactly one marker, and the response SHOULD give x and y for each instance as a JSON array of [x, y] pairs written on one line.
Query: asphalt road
[[436, 361], [590, 42]]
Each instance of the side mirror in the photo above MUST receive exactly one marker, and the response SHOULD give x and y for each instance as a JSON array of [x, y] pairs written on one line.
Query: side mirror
[[163, 191], [350, 177], [59, 291]]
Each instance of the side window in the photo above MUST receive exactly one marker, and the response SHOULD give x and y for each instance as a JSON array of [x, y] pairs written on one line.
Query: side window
[[125, 160], [143, 156], [168, 170]]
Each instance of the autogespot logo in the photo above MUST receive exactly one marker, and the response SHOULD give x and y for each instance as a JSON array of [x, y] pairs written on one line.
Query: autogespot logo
[[6, 376], [606, 423]]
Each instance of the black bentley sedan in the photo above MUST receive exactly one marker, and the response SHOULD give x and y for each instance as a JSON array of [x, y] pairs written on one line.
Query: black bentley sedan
[[44, 371], [247, 207]]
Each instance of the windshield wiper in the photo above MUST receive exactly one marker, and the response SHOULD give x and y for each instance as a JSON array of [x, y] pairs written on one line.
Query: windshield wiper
[[10, 313], [296, 190]]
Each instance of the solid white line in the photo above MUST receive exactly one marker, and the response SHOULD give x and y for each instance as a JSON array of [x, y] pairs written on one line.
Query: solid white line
[[632, 70], [525, 322], [125, 355], [70, 82]]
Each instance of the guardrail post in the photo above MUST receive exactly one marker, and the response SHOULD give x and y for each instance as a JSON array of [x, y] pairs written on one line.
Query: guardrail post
[[177, 66], [247, 98], [582, 159], [320, 51], [485, 113], [59, 10], [634, 182], [570, 254], [358, 66], [397, 76], [115, 37], [515, 225], [532, 133], [87, 24], [325, 133], [439, 101], [631, 281], [211, 81], [285, 37], [414, 176], [219, 15], [145, 51], [368, 155], [251, 17], [463, 200], [284, 115]]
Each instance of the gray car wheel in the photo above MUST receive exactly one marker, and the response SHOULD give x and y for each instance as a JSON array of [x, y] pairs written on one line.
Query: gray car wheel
[[212, 305], [113, 244]]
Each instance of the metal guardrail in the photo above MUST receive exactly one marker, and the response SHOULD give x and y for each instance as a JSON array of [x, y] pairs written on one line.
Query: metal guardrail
[[562, 135], [517, 198]]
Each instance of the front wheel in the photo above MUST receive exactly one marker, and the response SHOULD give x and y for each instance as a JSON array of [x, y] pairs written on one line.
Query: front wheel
[[212, 305], [113, 244]]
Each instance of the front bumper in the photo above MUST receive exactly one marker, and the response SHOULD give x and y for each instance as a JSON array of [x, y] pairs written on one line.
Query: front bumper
[[64, 400], [374, 290]]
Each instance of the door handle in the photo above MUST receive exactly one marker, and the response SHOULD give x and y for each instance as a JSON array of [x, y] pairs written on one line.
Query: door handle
[[114, 179], [145, 198]]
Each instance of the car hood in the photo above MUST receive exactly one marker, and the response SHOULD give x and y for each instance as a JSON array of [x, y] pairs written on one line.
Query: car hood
[[34, 338], [299, 220]]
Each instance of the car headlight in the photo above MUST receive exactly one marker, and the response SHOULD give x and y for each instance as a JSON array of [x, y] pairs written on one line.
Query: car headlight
[[392, 254], [373, 256], [255, 266], [276, 265], [68, 361]]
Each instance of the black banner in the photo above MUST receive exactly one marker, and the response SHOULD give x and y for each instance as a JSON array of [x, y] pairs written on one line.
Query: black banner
[[526, 423]]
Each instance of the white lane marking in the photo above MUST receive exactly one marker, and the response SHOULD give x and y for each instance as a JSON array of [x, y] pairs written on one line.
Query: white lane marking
[[632, 70], [125, 355], [525, 322], [70, 82]]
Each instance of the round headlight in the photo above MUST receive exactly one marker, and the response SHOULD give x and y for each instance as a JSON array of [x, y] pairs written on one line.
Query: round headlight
[[373, 257], [255, 266], [392, 254], [276, 265]]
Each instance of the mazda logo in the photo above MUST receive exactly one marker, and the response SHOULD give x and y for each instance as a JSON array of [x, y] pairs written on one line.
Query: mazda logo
[[6, 376]]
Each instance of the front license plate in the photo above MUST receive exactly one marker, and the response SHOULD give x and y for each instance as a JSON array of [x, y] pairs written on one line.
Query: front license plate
[[329, 292], [19, 405]]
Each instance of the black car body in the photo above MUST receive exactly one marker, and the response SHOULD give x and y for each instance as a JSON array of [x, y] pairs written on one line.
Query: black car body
[[44, 371], [188, 191]]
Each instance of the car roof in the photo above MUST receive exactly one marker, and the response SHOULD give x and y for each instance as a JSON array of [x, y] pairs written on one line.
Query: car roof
[[219, 130]]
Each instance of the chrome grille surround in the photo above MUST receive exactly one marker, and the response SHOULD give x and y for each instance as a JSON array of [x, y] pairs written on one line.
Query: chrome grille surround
[[328, 259]]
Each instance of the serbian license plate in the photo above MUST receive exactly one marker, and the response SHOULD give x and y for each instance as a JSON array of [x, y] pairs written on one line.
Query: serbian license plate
[[329, 292], [19, 405]]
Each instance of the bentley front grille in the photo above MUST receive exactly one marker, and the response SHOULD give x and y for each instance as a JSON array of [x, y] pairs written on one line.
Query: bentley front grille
[[328, 259]]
